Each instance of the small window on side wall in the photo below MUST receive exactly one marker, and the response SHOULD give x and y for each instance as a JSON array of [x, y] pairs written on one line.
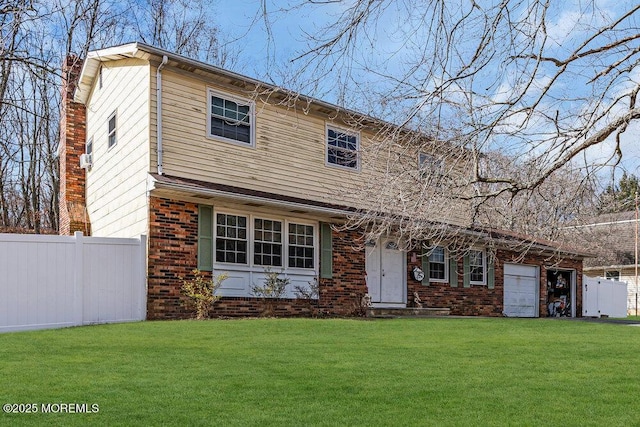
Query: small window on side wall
[[112, 130], [89, 149]]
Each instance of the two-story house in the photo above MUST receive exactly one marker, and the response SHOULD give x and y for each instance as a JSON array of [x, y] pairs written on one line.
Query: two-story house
[[229, 174]]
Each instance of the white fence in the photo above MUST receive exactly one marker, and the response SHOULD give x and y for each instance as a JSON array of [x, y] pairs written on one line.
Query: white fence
[[59, 281], [603, 297]]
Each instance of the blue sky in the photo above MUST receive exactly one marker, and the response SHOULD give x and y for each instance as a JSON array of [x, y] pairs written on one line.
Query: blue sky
[[241, 21]]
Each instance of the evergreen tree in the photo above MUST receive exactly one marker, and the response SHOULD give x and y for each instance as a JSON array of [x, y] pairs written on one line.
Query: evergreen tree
[[620, 197]]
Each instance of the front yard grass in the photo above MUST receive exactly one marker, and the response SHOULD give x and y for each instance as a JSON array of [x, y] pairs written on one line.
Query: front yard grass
[[298, 372]]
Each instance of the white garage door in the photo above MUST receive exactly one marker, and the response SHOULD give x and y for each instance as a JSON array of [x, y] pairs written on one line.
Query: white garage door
[[521, 289]]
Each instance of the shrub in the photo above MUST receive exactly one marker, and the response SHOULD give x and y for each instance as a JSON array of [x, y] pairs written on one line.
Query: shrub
[[273, 289], [202, 291], [310, 294]]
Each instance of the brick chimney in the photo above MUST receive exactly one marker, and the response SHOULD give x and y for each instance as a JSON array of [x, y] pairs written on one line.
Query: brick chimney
[[73, 134]]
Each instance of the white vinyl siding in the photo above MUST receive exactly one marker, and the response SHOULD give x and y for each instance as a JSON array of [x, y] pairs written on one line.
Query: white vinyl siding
[[116, 185], [289, 156]]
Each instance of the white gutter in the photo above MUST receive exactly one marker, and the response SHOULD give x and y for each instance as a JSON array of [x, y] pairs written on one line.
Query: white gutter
[[165, 59]]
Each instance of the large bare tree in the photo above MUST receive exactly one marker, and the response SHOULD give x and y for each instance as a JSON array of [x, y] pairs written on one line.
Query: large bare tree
[[551, 86], [35, 37]]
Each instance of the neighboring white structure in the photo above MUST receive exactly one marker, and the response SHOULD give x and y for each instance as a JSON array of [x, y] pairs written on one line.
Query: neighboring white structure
[[612, 237], [603, 297]]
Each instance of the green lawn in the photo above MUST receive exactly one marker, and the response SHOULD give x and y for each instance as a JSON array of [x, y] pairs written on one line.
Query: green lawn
[[300, 372]]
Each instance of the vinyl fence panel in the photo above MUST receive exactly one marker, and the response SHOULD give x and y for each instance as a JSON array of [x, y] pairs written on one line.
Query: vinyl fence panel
[[603, 297], [58, 281]]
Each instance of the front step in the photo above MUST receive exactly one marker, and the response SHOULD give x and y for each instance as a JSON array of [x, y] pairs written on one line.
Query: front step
[[407, 312]]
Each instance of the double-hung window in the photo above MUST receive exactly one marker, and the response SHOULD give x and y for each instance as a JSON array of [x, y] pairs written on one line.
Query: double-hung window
[[477, 267], [230, 119], [267, 242], [301, 246], [231, 238], [342, 148], [438, 271]]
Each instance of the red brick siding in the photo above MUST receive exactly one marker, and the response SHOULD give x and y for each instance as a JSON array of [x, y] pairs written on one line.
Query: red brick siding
[[341, 295], [173, 229], [73, 215], [480, 300], [173, 251]]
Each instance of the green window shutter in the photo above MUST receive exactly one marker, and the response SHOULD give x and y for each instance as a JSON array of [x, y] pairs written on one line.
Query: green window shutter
[[453, 272], [425, 267], [205, 238], [466, 278], [490, 273], [326, 251]]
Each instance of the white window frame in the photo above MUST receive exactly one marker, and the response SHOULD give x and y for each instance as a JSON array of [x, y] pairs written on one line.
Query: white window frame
[[314, 246], [248, 241], [241, 102], [484, 267], [250, 265], [327, 146], [269, 242], [445, 263], [113, 132]]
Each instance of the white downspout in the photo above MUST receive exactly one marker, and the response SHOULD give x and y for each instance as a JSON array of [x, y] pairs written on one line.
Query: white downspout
[[159, 112]]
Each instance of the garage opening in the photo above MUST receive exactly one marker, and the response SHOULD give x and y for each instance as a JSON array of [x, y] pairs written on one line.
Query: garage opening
[[560, 293], [521, 290]]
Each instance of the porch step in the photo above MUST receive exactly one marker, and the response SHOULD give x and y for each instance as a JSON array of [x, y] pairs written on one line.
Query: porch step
[[407, 312]]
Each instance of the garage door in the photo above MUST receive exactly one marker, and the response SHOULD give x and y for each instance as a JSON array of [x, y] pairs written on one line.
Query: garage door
[[521, 290]]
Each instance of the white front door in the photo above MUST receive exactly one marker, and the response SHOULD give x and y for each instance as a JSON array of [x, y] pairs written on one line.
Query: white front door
[[386, 277]]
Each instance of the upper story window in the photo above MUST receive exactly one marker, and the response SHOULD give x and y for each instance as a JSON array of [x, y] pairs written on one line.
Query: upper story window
[[112, 130], [230, 118], [430, 165], [342, 148], [438, 271], [477, 267]]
